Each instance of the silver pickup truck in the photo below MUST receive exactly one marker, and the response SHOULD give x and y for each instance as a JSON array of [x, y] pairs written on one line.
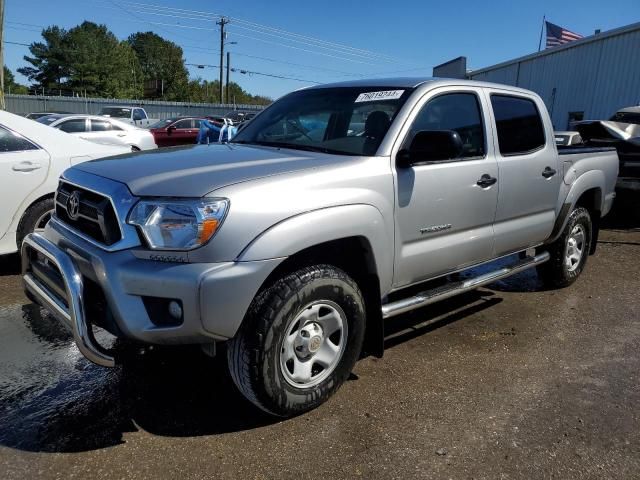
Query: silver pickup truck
[[335, 209]]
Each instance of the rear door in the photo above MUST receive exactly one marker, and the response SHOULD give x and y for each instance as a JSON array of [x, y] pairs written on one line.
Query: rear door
[[529, 174], [23, 167], [444, 218], [76, 126], [103, 131]]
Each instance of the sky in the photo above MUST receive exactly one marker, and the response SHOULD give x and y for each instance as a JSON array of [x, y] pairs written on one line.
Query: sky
[[323, 41]]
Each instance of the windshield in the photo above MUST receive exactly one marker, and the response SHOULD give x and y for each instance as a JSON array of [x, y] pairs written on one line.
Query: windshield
[[627, 117], [343, 120], [116, 112]]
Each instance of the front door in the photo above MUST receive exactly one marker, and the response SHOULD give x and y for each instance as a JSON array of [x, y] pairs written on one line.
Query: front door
[[185, 132], [23, 167], [444, 217]]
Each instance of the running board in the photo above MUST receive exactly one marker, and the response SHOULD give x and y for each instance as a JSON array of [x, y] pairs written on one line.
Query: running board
[[456, 288]]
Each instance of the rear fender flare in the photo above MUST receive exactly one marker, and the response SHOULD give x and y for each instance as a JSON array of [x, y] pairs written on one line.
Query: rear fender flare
[[587, 181]]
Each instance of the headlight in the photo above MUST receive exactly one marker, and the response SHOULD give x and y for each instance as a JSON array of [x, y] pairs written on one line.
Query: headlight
[[168, 224]]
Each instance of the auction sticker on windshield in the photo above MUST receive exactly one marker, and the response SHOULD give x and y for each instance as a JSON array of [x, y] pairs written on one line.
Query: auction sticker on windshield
[[385, 95]]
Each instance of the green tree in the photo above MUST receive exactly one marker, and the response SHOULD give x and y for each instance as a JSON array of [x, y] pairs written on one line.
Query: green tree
[[48, 59], [239, 96], [99, 64], [10, 84], [162, 64], [85, 59]]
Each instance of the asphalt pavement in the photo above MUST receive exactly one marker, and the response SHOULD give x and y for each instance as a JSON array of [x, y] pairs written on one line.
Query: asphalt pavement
[[511, 381]]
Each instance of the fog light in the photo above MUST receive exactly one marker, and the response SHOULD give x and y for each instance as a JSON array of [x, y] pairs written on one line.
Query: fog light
[[175, 310]]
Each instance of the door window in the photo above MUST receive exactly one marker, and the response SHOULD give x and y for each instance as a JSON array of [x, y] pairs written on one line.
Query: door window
[[73, 126], [13, 142], [459, 112], [518, 123], [186, 123], [100, 126]]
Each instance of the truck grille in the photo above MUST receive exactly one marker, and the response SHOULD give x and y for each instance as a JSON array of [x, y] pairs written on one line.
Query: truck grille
[[88, 212]]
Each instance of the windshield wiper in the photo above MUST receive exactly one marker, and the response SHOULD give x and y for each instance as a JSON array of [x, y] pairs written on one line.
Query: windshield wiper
[[294, 146]]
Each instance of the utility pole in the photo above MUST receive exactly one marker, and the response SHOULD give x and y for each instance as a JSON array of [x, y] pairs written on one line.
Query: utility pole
[[223, 21], [2, 103], [228, 68]]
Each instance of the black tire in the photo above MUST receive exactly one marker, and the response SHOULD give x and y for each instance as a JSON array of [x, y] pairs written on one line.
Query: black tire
[[254, 354], [556, 273], [134, 148], [32, 216]]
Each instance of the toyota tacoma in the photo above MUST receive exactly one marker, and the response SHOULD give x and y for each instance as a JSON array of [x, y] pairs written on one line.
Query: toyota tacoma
[[332, 211]]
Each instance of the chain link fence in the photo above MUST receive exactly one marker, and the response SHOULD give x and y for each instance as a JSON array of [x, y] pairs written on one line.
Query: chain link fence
[[23, 104]]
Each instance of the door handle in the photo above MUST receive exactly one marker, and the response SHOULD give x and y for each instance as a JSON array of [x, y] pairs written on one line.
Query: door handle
[[548, 172], [486, 181], [26, 167], [122, 134]]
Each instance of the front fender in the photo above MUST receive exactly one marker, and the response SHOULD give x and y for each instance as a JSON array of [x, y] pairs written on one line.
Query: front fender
[[319, 226]]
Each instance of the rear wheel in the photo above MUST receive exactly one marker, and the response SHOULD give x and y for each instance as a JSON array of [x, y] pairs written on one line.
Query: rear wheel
[[299, 340], [569, 252]]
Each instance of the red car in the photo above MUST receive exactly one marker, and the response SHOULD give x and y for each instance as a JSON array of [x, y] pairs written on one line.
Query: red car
[[176, 131]]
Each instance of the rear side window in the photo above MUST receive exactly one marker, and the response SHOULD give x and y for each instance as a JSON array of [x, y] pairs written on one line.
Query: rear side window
[[100, 125], [13, 142], [73, 126], [454, 111], [519, 124]]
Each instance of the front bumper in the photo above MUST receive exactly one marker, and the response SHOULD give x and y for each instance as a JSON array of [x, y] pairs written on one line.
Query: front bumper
[[62, 273], [52, 296]]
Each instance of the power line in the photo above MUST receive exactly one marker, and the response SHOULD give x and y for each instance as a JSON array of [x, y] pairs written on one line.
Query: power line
[[236, 70], [155, 9], [303, 49], [270, 31], [313, 43], [18, 43], [350, 74], [244, 71], [26, 24], [120, 7]]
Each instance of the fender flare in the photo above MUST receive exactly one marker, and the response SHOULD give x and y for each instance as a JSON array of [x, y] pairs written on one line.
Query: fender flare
[[593, 179], [297, 233]]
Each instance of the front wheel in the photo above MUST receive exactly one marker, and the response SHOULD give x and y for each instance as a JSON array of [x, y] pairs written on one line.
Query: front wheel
[[569, 252], [34, 219], [299, 340]]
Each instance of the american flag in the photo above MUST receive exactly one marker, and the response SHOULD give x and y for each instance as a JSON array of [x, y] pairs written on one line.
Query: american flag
[[558, 36]]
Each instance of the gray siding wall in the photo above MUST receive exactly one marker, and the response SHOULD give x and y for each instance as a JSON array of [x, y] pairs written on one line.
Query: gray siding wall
[[597, 76], [22, 104]]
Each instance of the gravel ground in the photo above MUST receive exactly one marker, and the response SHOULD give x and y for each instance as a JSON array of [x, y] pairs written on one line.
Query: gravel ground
[[511, 381]]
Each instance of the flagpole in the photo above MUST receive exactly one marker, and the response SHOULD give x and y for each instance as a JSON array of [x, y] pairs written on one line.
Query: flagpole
[[541, 30]]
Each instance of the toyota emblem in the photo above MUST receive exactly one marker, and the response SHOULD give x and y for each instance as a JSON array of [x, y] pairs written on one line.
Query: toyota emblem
[[73, 205]]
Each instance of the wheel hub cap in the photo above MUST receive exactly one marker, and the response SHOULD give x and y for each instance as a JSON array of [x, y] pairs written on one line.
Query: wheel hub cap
[[309, 340], [575, 248], [313, 344]]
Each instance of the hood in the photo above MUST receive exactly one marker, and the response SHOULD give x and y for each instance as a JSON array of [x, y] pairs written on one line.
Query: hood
[[196, 170]]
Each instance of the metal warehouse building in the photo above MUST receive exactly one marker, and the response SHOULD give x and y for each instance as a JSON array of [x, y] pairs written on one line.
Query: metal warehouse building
[[590, 78]]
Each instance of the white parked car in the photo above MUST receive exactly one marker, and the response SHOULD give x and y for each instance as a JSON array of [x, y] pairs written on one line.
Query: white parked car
[[102, 130], [32, 157]]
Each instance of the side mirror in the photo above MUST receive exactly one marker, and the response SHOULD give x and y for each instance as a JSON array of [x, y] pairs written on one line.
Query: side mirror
[[430, 146], [170, 129]]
